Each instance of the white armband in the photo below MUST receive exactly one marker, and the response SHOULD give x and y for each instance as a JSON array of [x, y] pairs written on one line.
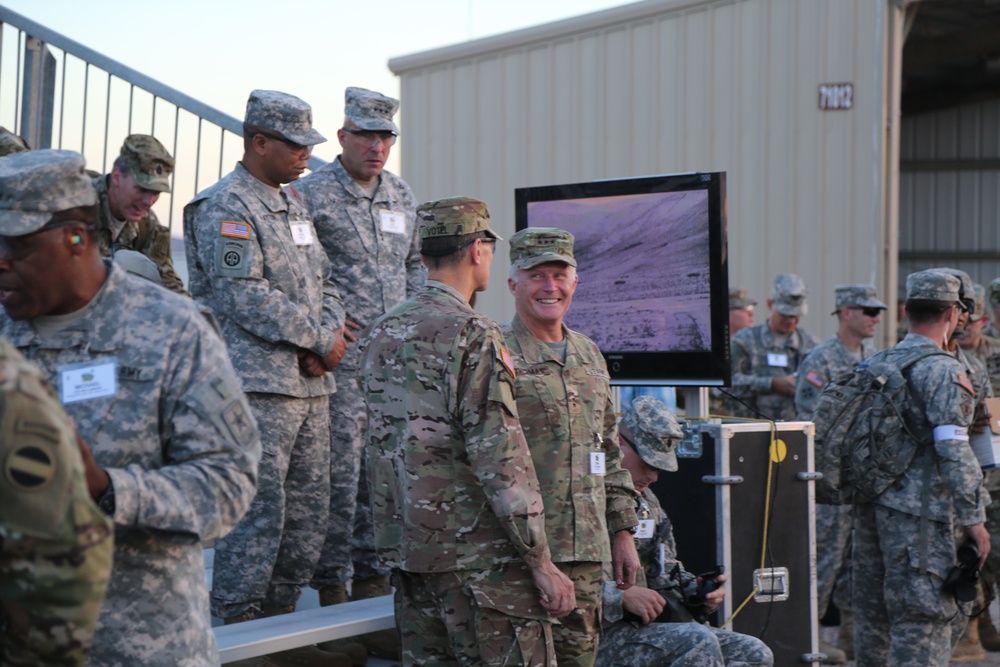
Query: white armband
[[949, 432]]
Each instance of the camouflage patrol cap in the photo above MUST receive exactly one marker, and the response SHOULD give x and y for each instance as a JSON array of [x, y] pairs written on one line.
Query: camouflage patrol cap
[[739, 299], [454, 216], [149, 162], [654, 432], [965, 294], [36, 184], [979, 301], [285, 114], [994, 292], [789, 295], [11, 143], [932, 285], [370, 110], [137, 264], [859, 296], [537, 245]]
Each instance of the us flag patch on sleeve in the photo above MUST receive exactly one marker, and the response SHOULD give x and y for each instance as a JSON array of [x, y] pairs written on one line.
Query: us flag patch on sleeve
[[815, 379], [964, 381], [507, 361], [235, 230]]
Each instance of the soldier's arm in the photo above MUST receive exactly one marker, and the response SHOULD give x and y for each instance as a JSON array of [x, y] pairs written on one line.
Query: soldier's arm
[[618, 489], [416, 272], [211, 448], [235, 267]]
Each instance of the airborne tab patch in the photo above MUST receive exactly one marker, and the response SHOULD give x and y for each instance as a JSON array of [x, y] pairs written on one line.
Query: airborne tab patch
[[236, 230]]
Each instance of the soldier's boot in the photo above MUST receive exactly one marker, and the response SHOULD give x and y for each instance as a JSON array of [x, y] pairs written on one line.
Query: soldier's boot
[[304, 656], [988, 635], [248, 615], [331, 594], [834, 656], [969, 649], [845, 636], [384, 643]]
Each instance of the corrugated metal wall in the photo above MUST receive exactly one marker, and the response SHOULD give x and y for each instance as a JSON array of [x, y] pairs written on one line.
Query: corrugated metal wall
[[666, 86], [949, 190]]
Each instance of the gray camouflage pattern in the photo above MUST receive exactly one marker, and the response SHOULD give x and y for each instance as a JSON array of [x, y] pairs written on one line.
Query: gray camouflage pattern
[[146, 236], [627, 643], [182, 449], [988, 352], [789, 295], [932, 285], [36, 184], [55, 543], [752, 375], [370, 110], [374, 270], [861, 296], [11, 143], [654, 432], [285, 114]]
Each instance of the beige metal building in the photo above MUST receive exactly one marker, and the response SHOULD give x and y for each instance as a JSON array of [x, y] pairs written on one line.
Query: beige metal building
[[860, 137]]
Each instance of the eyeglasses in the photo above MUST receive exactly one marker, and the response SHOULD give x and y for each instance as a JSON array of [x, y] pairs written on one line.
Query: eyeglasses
[[373, 137], [870, 312], [492, 242], [294, 147]]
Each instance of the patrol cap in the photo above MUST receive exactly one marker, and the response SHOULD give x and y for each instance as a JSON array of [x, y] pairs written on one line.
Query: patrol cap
[[36, 184], [859, 296], [654, 432], [370, 110], [979, 301], [932, 285], [965, 296], [285, 114], [149, 162], [536, 245], [134, 262], [11, 143], [739, 299], [454, 216], [994, 292], [789, 295]]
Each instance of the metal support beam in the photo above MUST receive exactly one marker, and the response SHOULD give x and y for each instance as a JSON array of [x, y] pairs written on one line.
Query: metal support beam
[[38, 100]]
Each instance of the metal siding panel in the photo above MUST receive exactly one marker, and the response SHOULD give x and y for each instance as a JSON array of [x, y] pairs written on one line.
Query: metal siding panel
[[617, 135], [643, 114]]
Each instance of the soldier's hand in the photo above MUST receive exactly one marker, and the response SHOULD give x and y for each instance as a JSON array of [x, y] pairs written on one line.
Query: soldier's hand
[[558, 596], [981, 422], [981, 537], [784, 385], [98, 480], [334, 356], [714, 599], [645, 603], [350, 326], [311, 363], [625, 559]]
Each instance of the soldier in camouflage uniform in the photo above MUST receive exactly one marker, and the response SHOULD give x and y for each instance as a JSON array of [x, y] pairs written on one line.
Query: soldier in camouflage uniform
[[55, 543], [766, 357], [993, 308], [11, 143], [173, 448], [458, 515], [904, 540], [740, 317], [565, 405], [365, 220], [254, 259], [652, 624], [858, 313], [125, 217]]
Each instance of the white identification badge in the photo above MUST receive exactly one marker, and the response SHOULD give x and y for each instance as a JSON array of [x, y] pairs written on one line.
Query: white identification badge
[[644, 531], [301, 232], [392, 222], [779, 359], [949, 432], [597, 463], [88, 380]]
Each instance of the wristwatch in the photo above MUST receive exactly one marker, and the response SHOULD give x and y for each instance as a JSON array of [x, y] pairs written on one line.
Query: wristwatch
[[107, 500]]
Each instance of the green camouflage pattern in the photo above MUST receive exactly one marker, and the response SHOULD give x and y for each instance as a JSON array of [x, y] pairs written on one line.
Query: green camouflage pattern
[[739, 298], [537, 245], [37, 184], [149, 162], [454, 216], [55, 543]]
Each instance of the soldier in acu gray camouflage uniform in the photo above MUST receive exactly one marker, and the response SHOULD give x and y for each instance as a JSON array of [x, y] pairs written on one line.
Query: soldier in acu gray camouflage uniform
[[171, 447], [365, 220], [565, 405], [11, 143], [254, 259], [651, 623], [904, 539], [125, 218], [858, 313], [55, 543], [458, 515], [766, 357]]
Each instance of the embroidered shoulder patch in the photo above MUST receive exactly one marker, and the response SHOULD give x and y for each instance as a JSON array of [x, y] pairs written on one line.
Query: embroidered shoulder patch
[[815, 379], [235, 230], [964, 381], [505, 359]]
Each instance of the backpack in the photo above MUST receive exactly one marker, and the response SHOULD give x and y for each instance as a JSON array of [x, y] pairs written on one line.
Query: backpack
[[867, 428]]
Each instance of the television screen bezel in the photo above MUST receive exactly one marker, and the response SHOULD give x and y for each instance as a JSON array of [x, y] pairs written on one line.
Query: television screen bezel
[[667, 368]]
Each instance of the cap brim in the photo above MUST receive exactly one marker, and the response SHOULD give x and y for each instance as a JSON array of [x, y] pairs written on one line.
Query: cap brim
[[155, 184], [658, 460], [19, 223], [492, 234], [376, 125], [791, 311], [544, 258], [310, 138]]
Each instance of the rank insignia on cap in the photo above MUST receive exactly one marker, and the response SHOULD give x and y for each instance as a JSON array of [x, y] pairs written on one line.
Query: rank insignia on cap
[[507, 361], [815, 379], [236, 230], [30, 468], [964, 381]]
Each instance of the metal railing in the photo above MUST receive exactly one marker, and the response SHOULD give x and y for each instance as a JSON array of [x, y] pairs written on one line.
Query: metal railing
[[58, 93]]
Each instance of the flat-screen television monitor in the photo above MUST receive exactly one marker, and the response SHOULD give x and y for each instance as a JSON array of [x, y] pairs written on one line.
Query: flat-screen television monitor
[[654, 287]]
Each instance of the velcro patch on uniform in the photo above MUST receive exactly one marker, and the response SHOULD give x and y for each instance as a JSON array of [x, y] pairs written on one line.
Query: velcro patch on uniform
[[599, 372], [964, 381], [505, 359], [235, 230], [29, 468], [815, 379]]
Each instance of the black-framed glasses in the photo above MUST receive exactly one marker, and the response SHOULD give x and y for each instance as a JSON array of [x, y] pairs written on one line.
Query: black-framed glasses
[[492, 242], [871, 312], [373, 137]]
